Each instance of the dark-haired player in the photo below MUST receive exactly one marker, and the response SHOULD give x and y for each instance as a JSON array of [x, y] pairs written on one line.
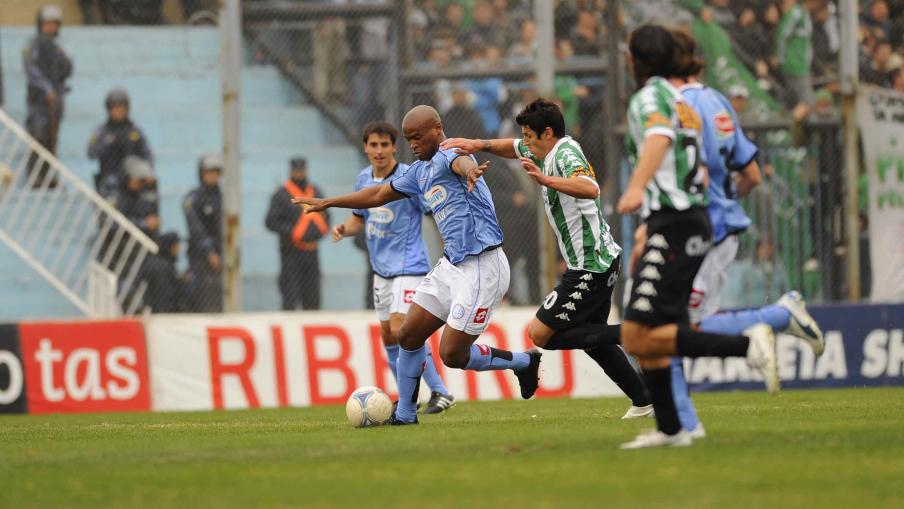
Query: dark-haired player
[[667, 184], [397, 252], [468, 283], [574, 315]]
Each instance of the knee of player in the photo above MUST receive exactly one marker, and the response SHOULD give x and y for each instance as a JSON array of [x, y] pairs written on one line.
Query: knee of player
[[538, 337], [633, 339], [453, 358], [406, 340]]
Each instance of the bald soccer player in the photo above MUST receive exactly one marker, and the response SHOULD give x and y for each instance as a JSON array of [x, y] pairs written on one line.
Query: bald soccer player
[[468, 282]]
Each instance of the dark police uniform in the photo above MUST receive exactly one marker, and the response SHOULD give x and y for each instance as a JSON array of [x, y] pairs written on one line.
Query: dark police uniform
[[203, 207], [112, 142]]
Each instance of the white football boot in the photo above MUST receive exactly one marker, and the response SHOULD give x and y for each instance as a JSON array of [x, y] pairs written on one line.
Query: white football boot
[[638, 412], [761, 355], [802, 323], [656, 438]]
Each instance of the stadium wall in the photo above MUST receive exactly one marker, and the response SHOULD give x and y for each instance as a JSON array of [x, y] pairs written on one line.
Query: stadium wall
[[205, 362]]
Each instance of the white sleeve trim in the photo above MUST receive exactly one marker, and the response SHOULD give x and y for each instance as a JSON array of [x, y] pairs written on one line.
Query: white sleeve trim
[[597, 184], [664, 131], [515, 143]]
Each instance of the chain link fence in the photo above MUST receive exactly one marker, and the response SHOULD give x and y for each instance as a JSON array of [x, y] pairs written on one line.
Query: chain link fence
[[315, 72]]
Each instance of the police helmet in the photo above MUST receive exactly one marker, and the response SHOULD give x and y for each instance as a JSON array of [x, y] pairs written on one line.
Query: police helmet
[[50, 12], [117, 97], [209, 162]]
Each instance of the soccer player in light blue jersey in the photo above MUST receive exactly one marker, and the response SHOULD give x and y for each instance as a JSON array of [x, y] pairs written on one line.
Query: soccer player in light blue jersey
[[464, 288], [397, 252], [731, 161]]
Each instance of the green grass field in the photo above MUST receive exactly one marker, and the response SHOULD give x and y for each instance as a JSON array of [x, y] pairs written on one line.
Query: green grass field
[[827, 449]]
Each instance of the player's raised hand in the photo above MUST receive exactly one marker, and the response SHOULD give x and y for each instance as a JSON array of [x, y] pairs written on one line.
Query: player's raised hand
[[339, 232], [475, 173], [534, 171], [630, 201], [310, 205], [462, 146]]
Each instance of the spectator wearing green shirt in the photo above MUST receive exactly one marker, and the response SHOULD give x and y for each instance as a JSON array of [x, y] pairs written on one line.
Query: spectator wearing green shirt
[[794, 50]]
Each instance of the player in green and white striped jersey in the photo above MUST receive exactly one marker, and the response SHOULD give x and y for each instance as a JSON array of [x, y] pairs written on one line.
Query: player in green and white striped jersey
[[575, 314]]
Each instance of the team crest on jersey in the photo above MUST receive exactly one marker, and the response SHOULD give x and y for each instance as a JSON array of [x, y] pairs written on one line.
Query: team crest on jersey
[[381, 215], [435, 196], [550, 299], [724, 124]]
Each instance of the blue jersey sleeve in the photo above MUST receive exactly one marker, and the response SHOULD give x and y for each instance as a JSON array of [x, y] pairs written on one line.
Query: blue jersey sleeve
[[745, 151], [406, 183]]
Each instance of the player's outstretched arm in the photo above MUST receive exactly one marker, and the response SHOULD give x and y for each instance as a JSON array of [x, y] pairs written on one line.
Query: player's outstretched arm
[[467, 168], [748, 179], [652, 152], [351, 227], [364, 199], [503, 147], [576, 186]]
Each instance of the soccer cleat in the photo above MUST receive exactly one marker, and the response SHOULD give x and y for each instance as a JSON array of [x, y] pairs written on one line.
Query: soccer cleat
[[637, 412], [529, 377], [395, 422], [802, 323], [698, 432], [656, 438], [761, 355], [439, 403]]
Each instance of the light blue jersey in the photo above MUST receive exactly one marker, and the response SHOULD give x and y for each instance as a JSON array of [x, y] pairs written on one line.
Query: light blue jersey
[[466, 221], [726, 149], [393, 231]]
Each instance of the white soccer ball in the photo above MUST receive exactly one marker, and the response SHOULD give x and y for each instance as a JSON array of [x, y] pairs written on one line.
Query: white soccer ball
[[368, 406]]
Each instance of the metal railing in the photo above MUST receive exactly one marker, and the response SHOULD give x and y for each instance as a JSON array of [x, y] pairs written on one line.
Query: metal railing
[[79, 243]]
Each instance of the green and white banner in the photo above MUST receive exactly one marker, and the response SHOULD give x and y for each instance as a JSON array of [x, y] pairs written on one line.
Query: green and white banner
[[880, 115]]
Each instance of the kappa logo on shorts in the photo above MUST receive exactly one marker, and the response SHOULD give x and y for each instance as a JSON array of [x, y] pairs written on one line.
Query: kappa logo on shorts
[[583, 286], [550, 299], [458, 311], [654, 256], [576, 296], [563, 316], [570, 306], [696, 246], [587, 277], [642, 304], [650, 272], [658, 241], [612, 279], [408, 297], [647, 288], [480, 316]]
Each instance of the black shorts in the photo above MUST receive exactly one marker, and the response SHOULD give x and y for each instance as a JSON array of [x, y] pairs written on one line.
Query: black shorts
[[664, 275], [580, 297]]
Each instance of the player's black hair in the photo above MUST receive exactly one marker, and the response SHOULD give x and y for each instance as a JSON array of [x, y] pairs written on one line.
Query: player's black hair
[[686, 61], [380, 128], [539, 115], [653, 50]]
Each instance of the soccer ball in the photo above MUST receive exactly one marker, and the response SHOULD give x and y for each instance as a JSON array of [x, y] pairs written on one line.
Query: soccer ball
[[368, 406]]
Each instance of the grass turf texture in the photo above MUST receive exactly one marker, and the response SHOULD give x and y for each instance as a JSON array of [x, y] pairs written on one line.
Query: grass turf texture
[[825, 448]]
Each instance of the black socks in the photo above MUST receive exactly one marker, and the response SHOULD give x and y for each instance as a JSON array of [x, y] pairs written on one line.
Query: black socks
[[694, 343], [616, 365], [659, 382]]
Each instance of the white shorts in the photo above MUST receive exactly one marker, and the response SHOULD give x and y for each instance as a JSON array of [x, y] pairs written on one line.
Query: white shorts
[[465, 295], [707, 290], [394, 295]]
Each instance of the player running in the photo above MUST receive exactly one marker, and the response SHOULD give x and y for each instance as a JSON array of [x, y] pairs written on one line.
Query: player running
[[733, 172], [667, 183], [575, 314], [468, 283], [397, 252]]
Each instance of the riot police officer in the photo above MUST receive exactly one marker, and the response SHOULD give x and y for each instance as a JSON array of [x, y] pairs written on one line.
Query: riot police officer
[[115, 140], [47, 67], [203, 208]]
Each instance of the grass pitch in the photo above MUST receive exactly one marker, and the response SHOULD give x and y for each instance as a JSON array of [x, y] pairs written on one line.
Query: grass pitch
[[825, 448]]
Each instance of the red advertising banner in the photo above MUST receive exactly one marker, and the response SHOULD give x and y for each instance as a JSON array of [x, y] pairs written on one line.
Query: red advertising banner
[[85, 366]]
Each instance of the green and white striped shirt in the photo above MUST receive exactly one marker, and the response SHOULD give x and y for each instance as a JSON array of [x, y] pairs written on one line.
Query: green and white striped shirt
[[584, 238], [659, 108]]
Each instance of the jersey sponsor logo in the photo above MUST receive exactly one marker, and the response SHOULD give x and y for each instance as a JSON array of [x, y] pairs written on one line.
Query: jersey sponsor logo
[[642, 304], [658, 241], [654, 256], [435, 196], [381, 215], [570, 306], [408, 296], [458, 311], [687, 117], [696, 246], [647, 288], [480, 316], [563, 316], [587, 277], [375, 232], [650, 272], [550, 299], [724, 124], [576, 296], [440, 216]]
